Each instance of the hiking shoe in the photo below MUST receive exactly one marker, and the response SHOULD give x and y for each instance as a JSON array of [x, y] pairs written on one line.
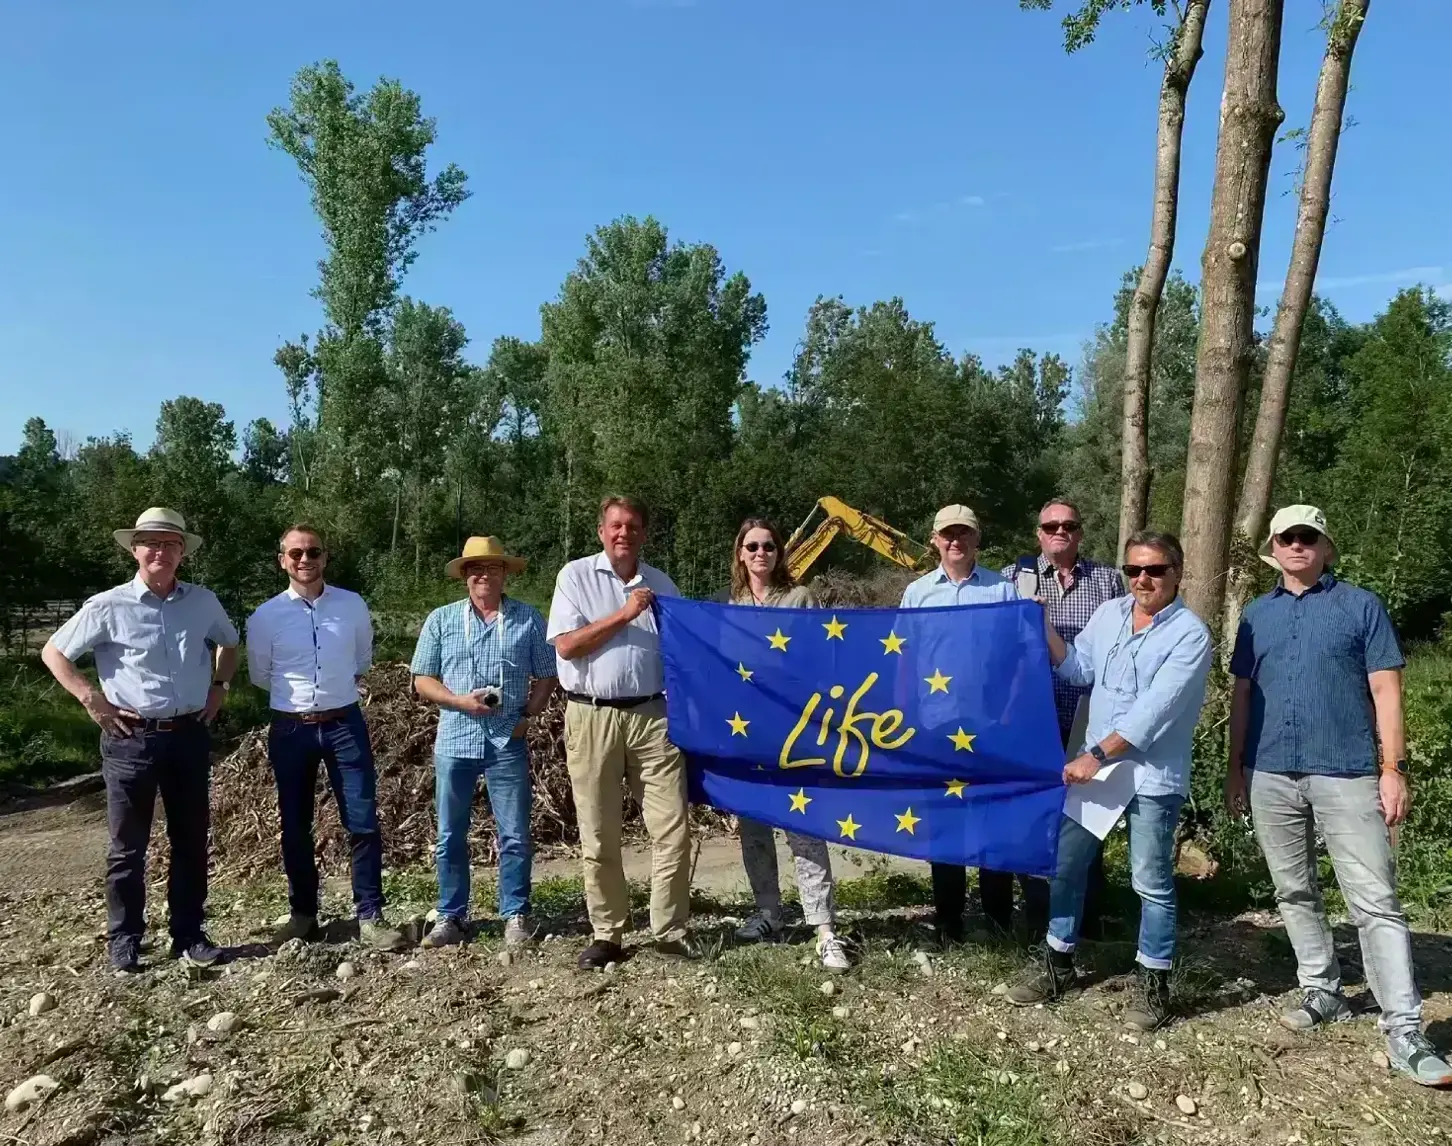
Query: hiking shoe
[[447, 932], [1415, 1056], [760, 926], [1149, 1005], [681, 948], [518, 931], [303, 928], [600, 953], [1050, 977], [1317, 1007], [199, 951], [380, 935], [833, 953], [125, 954]]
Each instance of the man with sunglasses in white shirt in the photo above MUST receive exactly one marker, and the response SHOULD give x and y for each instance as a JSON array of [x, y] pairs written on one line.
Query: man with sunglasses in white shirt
[[307, 647]]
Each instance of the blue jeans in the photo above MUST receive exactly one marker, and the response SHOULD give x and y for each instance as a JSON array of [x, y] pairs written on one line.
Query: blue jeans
[[506, 778], [296, 749], [1152, 822]]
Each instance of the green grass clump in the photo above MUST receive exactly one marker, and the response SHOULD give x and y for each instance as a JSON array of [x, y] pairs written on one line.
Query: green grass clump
[[45, 735]]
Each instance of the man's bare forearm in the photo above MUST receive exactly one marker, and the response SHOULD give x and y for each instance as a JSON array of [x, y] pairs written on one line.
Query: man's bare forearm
[[66, 674], [585, 640], [433, 690], [1239, 722], [226, 663], [539, 695], [1386, 698]]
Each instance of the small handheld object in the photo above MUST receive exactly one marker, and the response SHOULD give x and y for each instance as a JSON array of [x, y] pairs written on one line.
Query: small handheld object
[[489, 695], [1026, 578]]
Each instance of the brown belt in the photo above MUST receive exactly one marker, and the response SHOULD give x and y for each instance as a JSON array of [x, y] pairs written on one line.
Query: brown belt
[[318, 716]]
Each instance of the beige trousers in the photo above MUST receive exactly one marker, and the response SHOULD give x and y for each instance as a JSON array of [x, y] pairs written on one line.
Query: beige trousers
[[604, 746]]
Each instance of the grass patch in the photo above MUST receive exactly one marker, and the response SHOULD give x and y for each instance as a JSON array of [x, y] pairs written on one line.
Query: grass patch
[[802, 1024], [883, 887], [45, 735]]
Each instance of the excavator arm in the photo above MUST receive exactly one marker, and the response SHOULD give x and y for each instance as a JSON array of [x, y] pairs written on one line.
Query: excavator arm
[[803, 548]]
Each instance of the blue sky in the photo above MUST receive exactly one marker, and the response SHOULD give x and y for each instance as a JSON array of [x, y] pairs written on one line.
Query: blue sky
[[152, 244]]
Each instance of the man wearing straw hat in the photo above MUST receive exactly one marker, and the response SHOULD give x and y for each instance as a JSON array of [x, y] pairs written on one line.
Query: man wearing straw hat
[[1318, 687], [165, 653], [485, 663], [308, 646]]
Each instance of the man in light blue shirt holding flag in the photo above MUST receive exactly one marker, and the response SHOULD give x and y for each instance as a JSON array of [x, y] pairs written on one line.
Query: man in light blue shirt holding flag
[[485, 663]]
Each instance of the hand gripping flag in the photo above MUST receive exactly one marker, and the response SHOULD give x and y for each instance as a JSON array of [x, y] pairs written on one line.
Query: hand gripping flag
[[928, 733]]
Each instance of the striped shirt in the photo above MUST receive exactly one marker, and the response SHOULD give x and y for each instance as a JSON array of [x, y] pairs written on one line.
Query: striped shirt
[[457, 647], [1090, 585], [1307, 659]]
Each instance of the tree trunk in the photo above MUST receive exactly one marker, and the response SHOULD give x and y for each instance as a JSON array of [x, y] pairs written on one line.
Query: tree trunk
[[1285, 341], [397, 508], [1185, 53], [1249, 116]]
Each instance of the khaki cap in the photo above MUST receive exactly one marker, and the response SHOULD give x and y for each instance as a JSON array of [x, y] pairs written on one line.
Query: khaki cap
[[484, 549], [159, 519], [955, 515], [1289, 518]]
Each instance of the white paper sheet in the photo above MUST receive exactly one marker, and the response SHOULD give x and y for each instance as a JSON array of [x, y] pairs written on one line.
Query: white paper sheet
[[1098, 804]]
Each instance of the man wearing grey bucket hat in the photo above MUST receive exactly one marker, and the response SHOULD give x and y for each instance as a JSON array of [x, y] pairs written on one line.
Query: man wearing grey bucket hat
[[165, 654], [1316, 743]]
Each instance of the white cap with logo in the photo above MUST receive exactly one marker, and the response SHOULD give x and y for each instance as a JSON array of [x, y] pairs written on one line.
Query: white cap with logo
[[1291, 517]]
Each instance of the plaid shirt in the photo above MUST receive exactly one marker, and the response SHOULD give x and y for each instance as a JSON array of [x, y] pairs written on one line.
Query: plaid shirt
[[458, 648], [1069, 611]]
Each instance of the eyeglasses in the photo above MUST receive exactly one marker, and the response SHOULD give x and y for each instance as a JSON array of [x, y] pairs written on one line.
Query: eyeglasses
[[1156, 571], [170, 544], [764, 546], [1307, 537], [493, 569], [312, 553], [1053, 527]]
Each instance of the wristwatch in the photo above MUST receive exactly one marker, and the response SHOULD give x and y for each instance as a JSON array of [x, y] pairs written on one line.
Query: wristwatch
[[1398, 766], [224, 685], [1098, 753]]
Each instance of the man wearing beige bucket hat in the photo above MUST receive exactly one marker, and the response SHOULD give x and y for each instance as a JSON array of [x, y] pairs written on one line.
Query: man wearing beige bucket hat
[[165, 654], [1316, 743], [485, 663]]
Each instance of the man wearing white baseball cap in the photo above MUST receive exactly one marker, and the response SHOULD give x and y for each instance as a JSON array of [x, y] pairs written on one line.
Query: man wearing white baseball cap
[[165, 654], [959, 580], [1318, 687]]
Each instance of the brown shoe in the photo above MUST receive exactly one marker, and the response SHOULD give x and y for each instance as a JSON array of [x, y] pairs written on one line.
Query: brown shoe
[[1149, 1006], [1050, 977], [379, 934], [599, 953]]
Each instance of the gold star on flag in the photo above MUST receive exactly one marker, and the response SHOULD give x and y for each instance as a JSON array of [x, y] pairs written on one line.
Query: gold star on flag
[[800, 800], [962, 741], [849, 827], [955, 787], [892, 643], [778, 641], [906, 822], [738, 726], [937, 682], [743, 672], [835, 629]]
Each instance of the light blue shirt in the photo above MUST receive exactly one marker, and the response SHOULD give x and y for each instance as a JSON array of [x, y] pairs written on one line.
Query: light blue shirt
[[153, 656], [937, 589], [1147, 686], [457, 647]]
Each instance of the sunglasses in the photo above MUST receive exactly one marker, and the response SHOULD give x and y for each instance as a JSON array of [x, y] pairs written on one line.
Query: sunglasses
[[1053, 527], [1156, 571], [764, 546], [312, 553], [1306, 537]]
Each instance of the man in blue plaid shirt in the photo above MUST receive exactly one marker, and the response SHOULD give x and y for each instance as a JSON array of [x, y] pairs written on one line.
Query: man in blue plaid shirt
[[485, 663], [1071, 587]]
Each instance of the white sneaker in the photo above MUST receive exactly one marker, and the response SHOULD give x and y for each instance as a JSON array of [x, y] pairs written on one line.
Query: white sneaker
[[760, 926], [832, 951], [518, 931]]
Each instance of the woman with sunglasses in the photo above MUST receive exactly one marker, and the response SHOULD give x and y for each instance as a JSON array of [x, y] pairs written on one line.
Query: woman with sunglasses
[[759, 577]]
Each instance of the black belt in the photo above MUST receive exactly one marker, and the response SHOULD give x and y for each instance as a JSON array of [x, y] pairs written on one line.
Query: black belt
[[317, 716], [612, 702], [169, 723]]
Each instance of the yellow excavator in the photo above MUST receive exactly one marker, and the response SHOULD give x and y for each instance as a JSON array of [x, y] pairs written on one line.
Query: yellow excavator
[[803, 548]]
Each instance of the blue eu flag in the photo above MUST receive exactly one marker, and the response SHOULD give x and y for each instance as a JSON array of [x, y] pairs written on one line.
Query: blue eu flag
[[928, 733]]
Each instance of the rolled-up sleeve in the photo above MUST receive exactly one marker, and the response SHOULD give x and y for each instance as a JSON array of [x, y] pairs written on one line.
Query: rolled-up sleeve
[[259, 649], [1077, 667], [85, 630], [1178, 686], [565, 613], [428, 652]]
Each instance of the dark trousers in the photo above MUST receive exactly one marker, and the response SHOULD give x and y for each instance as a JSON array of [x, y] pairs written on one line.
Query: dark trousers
[[176, 763], [341, 745]]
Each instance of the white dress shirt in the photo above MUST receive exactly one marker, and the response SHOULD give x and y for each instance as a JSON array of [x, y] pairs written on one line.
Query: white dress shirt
[[628, 664], [308, 655]]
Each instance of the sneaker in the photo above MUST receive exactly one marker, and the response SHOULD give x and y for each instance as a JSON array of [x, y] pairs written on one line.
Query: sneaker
[[200, 951], [380, 935], [1415, 1056], [600, 953], [301, 927], [681, 948], [832, 951], [125, 954], [1149, 1006], [760, 926], [518, 931], [1050, 977], [1317, 1007], [447, 932]]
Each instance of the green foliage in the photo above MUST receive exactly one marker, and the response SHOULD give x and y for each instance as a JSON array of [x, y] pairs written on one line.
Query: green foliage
[[44, 734]]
